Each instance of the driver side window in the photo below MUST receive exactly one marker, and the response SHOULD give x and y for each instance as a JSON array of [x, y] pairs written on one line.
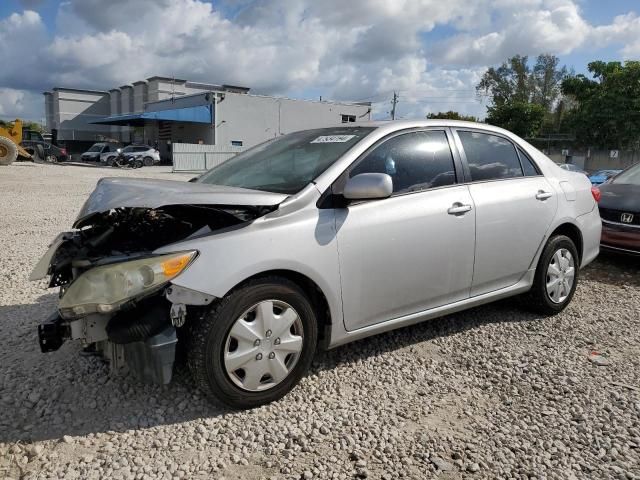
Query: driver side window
[[415, 161]]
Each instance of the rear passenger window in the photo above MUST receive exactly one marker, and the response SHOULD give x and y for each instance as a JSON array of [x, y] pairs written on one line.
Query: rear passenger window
[[529, 168], [490, 157], [414, 161]]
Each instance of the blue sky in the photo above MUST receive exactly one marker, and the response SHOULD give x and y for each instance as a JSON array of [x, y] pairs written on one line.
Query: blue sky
[[432, 52]]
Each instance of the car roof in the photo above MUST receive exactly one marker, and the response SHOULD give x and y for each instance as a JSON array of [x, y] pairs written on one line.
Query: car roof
[[394, 125]]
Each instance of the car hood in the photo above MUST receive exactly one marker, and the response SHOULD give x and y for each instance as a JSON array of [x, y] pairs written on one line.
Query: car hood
[[620, 196], [113, 193]]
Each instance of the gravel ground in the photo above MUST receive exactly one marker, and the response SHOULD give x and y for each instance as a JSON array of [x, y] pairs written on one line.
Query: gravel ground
[[493, 392]]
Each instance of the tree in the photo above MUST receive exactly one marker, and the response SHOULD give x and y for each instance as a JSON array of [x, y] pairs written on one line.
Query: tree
[[451, 115], [606, 111], [522, 99], [522, 118]]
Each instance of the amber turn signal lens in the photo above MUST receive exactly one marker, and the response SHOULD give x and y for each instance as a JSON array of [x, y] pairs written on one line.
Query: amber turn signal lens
[[174, 266]]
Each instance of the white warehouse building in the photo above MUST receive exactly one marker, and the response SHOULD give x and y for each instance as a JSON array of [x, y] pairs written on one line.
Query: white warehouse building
[[164, 112]]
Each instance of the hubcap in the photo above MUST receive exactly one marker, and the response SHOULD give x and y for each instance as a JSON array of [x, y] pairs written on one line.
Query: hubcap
[[560, 275], [263, 345]]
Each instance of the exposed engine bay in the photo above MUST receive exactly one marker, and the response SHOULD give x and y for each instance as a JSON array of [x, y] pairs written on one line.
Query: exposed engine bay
[[116, 295], [126, 233]]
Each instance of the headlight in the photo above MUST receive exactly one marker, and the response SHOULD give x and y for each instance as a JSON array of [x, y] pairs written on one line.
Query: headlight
[[104, 289]]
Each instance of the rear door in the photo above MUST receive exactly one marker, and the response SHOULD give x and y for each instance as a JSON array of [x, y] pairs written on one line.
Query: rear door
[[514, 203]]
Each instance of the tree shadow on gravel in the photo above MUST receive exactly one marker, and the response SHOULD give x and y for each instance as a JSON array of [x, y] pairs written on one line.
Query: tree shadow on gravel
[[614, 269], [46, 396], [510, 310]]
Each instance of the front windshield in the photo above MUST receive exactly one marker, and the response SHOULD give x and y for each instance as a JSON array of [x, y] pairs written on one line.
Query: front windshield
[[629, 177], [286, 164], [96, 148]]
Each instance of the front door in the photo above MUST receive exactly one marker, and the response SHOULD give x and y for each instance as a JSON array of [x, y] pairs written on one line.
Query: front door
[[412, 251]]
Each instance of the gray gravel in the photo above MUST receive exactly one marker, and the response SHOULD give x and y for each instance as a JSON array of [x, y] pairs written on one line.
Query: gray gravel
[[494, 392]]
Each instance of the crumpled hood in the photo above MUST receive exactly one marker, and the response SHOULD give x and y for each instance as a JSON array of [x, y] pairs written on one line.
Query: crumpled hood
[[119, 192]]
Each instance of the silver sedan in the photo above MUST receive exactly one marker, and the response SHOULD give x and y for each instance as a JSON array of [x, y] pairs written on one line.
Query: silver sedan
[[313, 240]]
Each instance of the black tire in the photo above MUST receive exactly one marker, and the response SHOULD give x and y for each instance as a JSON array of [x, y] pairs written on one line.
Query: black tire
[[138, 163], [40, 152], [208, 336], [538, 298], [148, 161], [110, 161]]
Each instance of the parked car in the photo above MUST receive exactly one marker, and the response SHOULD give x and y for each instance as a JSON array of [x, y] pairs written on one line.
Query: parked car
[[620, 211], [98, 149], [313, 240], [150, 156], [602, 176], [570, 167], [46, 151]]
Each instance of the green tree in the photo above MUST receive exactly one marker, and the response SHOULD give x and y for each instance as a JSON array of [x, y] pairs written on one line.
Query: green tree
[[606, 107], [451, 115], [522, 118], [523, 99]]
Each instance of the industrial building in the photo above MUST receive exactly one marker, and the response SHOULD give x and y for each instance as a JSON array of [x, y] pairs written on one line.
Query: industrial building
[[162, 112]]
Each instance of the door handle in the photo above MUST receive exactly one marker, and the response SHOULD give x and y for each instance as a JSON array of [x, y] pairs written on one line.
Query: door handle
[[542, 195], [458, 209]]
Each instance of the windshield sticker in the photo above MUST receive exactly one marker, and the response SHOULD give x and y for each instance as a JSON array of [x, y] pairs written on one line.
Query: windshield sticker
[[333, 139]]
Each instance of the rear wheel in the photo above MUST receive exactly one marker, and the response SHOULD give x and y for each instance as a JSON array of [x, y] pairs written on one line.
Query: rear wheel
[[110, 161], [254, 345], [148, 161], [556, 276]]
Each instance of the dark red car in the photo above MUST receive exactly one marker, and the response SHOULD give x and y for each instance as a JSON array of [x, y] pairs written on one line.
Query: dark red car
[[620, 211]]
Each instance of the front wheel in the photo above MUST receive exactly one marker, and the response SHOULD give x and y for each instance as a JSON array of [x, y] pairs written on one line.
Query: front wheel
[[254, 345], [556, 276]]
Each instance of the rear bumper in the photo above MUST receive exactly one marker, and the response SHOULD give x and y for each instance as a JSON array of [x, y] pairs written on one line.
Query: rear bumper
[[621, 238], [590, 227]]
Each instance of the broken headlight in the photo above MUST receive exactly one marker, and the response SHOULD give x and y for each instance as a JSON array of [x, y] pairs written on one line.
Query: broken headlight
[[103, 289]]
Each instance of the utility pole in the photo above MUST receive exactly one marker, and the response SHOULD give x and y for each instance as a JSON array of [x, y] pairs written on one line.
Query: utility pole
[[394, 102]]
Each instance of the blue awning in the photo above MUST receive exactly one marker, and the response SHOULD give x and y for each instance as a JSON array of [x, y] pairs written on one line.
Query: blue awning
[[197, 114]]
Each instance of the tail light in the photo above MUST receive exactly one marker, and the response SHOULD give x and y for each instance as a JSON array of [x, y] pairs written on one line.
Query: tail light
[[64, 151], [595, 191]]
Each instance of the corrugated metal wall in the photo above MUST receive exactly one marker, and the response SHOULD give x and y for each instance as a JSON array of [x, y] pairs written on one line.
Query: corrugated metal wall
[[191, 157]]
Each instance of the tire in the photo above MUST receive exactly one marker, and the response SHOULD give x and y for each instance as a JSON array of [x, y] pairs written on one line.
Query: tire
[[148, 161], [211, 341], [138, 163], [110, 161], [539, 298], [40, 151], [8, 151]]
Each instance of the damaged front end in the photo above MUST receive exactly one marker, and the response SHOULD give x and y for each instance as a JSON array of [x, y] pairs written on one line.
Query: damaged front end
[[116, 295]]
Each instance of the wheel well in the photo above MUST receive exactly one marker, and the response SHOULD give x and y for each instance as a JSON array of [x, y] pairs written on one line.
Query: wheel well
[[316, 296], [573, 232]]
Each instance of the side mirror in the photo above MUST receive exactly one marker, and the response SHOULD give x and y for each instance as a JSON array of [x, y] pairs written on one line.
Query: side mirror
[[367, 186]]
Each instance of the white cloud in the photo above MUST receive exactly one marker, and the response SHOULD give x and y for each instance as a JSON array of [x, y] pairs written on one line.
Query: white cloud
[[343, 49], [19, 104], [553, 26]]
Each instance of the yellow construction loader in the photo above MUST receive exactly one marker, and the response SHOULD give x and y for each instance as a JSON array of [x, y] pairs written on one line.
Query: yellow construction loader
[[10, 148]]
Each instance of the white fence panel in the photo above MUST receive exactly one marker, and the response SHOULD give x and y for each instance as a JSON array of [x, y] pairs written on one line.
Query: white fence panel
[[193, 157]]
